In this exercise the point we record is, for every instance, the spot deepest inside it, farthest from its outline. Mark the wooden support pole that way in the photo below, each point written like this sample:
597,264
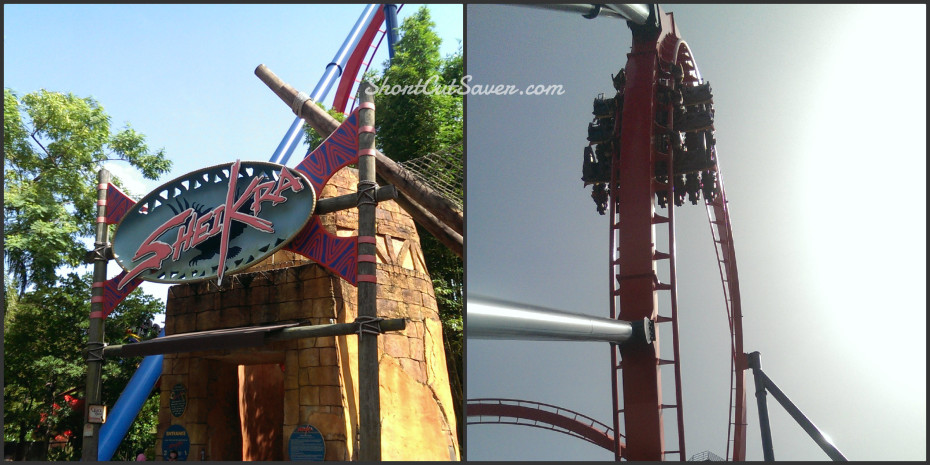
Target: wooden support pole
415,191
368,369
94,351
344,202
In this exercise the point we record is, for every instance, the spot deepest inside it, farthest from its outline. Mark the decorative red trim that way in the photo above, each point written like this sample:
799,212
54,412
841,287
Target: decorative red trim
98,284
101,219
101,202
366,240
101,187
367,152
96,314
367,258
362,129
367,278
96,299
368,105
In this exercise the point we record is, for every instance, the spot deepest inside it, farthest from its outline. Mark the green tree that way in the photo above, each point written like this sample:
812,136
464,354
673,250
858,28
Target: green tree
53,145
411,125
311,137
44,335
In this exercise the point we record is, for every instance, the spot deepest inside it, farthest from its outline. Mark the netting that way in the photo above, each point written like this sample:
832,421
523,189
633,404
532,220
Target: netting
442,171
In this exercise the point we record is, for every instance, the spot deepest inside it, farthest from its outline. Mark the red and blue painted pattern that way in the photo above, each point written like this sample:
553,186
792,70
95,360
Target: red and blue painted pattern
338,150
118,204
113,295
337,254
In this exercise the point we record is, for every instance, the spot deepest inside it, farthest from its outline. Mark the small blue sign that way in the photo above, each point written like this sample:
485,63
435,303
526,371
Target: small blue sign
177,401
175,444
306,443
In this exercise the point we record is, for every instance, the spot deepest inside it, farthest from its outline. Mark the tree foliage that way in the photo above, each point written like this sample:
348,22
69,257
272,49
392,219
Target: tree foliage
311,137
45,332
53,145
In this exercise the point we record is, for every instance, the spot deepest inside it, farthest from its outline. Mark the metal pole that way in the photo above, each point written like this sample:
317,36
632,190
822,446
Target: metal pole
390,23
755,362
369,391
333,71
799,417
636,13
498,319
587,10
94,350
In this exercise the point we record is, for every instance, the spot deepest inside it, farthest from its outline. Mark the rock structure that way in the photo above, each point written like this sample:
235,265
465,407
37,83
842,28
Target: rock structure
244,404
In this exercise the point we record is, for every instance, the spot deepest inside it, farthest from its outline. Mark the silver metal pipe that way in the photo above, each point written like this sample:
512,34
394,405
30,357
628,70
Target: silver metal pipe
635,12
497,319
581,8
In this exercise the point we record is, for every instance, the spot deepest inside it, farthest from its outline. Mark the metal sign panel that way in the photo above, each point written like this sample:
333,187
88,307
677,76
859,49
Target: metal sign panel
306,443
175,444
213,222
97,414
177,400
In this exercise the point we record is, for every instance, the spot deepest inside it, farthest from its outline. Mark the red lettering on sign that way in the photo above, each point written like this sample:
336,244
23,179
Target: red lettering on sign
185,235
194,229
150,245
264,193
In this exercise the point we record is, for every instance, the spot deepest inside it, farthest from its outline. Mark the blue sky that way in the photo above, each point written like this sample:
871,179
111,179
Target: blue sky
183,75
820,128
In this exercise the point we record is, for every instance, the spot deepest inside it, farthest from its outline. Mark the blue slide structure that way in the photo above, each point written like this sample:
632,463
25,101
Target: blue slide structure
130,402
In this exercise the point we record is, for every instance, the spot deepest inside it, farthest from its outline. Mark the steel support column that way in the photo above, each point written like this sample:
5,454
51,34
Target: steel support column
633,234
633,193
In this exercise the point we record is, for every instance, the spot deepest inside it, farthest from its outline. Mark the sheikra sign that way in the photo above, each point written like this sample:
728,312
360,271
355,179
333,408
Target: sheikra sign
211,222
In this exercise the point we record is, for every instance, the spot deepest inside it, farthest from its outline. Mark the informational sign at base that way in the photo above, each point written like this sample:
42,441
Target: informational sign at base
306,443
97,414
177,402
176,444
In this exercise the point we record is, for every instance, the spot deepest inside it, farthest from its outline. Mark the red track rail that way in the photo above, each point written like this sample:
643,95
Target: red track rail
540,415
718,215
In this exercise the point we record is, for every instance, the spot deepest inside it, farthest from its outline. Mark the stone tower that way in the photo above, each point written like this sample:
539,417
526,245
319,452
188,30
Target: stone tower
243,404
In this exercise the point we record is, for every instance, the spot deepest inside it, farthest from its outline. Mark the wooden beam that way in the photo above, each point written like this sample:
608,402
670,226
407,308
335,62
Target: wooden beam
324,124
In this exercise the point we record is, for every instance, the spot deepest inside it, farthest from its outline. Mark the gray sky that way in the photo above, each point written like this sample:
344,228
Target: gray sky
820,128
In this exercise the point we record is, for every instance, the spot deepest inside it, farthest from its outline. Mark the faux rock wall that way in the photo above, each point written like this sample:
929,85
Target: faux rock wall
320,375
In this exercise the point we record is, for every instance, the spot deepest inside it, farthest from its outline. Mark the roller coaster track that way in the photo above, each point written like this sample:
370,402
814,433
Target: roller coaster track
660,62
540,415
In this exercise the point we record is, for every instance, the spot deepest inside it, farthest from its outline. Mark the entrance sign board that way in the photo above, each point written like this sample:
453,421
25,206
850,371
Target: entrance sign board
175,440
212,222
306,443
